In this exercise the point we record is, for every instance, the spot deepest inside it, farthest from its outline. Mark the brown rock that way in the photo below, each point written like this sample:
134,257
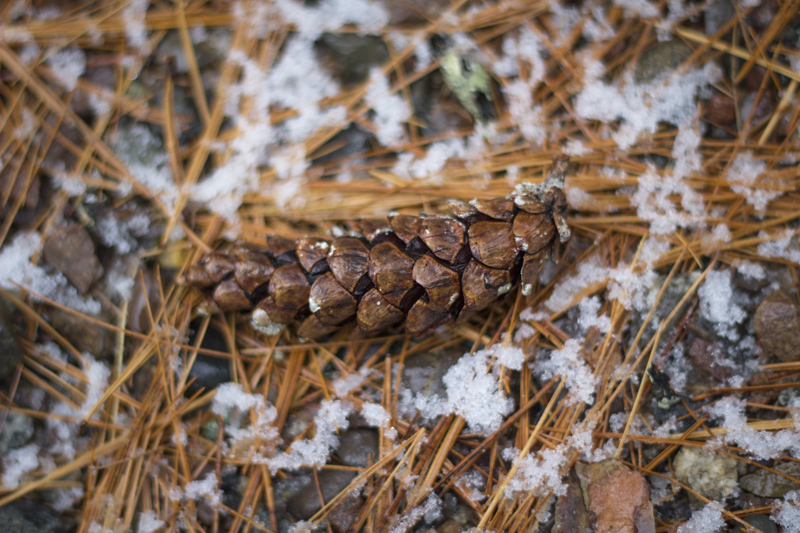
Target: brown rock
570,514
708,356
71,250
777,324
721,109
342,516
617,498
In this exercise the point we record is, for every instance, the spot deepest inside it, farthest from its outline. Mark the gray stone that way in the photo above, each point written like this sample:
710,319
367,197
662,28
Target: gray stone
760,521
717,14
84,335
358,447
27,516
664,57
708,473
71,250
342,516
769,485
305,503
10,351
353,55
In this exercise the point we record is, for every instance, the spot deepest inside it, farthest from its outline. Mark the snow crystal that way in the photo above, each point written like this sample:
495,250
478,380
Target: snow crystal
331,417
147,162
70,183
568,362
641,107
706,520
64,499
743,173
543,473
786,247
134,22
730,412
375,415
786,513
526,46
527,116
204,488
589,309
436,157
296,81
368,16
653,202
751,270
637,8
17,463
391,110
343,386
578,198
230,396
718,306
68,64
473,391
431,510
149,522
17,269
120,231
630,288
27,127
720,234
576,148
97,374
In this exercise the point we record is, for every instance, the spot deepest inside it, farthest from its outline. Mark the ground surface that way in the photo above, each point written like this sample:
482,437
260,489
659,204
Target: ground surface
649,382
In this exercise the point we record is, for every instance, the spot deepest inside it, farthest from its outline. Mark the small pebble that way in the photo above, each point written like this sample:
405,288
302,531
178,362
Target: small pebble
721,109
358,447
769,485
71,250
777,324
712,475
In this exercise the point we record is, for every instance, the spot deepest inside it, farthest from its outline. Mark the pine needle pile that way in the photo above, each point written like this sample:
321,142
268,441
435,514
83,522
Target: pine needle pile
170,169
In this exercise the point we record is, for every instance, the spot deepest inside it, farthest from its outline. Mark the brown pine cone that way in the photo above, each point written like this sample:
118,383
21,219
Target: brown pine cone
417,271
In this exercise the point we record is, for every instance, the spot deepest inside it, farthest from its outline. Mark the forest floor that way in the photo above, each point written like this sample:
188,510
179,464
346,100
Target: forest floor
649,382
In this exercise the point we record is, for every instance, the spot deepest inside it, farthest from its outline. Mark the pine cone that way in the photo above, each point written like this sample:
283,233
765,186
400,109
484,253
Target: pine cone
417,271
